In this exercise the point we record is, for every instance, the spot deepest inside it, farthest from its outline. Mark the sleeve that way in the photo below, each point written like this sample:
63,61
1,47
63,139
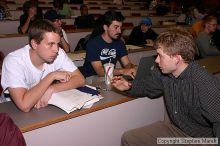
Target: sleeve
209,92
92,51
13,73
65,62
22,20
203,42
150,85
65,36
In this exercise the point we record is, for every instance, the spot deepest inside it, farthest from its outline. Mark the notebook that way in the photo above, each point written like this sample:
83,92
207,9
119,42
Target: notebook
74,99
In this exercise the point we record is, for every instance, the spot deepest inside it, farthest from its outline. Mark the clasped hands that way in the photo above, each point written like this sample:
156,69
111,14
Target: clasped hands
61,76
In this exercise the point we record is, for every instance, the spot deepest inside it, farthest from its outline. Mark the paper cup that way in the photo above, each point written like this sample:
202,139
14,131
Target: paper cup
108,68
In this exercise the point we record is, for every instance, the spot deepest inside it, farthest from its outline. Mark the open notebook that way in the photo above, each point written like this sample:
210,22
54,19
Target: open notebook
74,99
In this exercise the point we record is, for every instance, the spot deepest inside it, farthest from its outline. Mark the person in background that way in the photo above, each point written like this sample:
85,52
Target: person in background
33,73
197,26
57,5
191,93
10,134
142,34
39,9
29,16
204,40
216,34
107,47
85,20
55,18
4,11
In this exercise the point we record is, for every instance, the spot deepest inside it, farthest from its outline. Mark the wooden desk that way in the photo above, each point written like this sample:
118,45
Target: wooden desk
211,63
101,125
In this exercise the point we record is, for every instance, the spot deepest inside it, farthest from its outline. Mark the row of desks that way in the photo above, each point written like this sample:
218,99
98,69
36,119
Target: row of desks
104,5
15,14
11,26
11,42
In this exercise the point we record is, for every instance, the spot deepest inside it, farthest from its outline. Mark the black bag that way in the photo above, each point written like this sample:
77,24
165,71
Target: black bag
81,45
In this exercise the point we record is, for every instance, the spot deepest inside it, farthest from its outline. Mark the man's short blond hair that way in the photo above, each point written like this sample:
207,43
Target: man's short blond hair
177,41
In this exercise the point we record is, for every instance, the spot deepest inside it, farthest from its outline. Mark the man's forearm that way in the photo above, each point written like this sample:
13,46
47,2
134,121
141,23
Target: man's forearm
74,82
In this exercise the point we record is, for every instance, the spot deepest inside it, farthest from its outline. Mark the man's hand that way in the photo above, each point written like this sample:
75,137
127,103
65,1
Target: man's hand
149,41
43,102
130,71
62,76
120,83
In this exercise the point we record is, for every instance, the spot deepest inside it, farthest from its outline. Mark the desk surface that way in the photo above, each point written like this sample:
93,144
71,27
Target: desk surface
211,63
51,114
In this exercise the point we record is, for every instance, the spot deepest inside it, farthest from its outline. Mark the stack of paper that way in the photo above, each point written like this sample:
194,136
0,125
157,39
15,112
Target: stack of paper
76,56
132,47
74,99
149,45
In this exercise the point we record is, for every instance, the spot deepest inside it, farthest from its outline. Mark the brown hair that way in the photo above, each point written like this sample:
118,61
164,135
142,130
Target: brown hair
38,28
208,18
177,41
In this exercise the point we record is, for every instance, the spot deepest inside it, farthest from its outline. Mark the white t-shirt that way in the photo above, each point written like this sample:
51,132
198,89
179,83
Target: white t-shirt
64,35
18,70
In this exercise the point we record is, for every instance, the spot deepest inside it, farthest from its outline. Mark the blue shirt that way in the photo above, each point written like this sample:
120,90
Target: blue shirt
99,50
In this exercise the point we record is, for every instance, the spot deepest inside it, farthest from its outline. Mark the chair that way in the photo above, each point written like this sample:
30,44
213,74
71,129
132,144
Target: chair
106,3
126,8
112,8
10,2
92,3
46,8
94,8
74,7
127,25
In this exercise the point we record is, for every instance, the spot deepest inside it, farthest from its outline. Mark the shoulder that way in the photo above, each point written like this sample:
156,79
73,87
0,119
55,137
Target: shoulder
18,54
61,54
200,73
202,36
202,33
17,59
119,42
95,40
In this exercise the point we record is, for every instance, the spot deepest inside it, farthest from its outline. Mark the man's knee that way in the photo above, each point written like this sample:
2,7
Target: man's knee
126,138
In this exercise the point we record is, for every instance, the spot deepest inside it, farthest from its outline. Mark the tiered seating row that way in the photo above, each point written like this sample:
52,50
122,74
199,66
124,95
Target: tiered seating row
8,45
85,2
90,6
15,14
10,27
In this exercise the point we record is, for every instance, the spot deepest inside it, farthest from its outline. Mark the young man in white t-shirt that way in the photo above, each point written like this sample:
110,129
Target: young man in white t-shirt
29,73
